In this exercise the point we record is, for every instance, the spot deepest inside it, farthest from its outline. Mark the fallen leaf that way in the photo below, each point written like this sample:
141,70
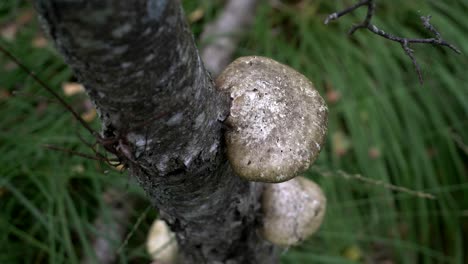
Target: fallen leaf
374,153
39,42
8,32
196,15
72,88
333,96
4,94
25,17
120,167
340,143
89,115
79,168
10,66
353,253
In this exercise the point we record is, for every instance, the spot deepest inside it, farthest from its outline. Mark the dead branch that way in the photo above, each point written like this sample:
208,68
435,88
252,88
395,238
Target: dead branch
437,40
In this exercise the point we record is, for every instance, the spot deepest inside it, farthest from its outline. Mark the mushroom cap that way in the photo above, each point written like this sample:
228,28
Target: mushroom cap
292,211
161,243
278,121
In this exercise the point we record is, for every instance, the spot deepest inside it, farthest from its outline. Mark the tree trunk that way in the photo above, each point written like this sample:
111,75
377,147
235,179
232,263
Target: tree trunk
157,103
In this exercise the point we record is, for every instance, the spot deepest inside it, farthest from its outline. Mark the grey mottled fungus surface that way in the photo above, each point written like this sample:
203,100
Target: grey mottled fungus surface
277,121
292,211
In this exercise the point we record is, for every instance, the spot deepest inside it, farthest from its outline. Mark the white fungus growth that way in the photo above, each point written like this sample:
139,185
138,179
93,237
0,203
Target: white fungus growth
292,211
161,243
278,121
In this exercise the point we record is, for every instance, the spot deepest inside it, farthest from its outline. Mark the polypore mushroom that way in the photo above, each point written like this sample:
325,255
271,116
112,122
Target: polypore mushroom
277,121
161,243
292,211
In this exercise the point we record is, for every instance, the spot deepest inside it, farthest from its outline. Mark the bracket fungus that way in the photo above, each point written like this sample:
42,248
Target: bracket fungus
292,211
277,121
161,243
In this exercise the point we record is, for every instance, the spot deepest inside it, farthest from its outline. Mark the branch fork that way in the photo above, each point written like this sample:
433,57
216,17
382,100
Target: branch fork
437,40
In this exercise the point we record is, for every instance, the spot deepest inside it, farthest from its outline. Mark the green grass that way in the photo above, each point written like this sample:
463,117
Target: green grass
47,206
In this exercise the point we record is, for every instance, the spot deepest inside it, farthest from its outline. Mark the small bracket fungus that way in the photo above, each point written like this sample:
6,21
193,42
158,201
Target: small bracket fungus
278,121
292,211
161,243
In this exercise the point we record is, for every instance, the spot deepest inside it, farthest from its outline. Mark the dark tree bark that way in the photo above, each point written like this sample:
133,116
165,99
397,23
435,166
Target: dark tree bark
138,61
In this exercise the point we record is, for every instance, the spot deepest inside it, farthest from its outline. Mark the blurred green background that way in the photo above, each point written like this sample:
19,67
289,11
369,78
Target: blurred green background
385,129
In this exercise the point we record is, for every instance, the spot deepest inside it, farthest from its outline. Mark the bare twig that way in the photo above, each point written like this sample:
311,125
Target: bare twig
98,157
381,183
134,228
50,90
366,24
350,9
